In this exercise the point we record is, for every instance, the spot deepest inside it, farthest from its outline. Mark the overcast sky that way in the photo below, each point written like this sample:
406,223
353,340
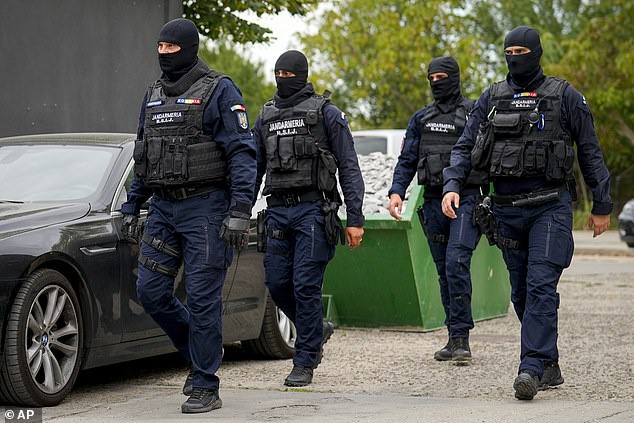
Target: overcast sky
284,27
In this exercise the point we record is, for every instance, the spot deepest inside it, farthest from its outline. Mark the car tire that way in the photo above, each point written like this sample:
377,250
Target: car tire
43,342
277,336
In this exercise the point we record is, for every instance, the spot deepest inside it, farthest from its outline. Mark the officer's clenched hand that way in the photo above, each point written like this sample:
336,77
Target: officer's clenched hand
396,203
354,236
235,229
450,200
129,228
599,223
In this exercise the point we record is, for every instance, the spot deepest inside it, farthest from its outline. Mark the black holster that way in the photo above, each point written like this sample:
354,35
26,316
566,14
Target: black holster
261,231
485,219
334,228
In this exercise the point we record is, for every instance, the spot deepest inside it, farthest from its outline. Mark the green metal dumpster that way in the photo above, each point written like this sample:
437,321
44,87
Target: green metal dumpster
391,280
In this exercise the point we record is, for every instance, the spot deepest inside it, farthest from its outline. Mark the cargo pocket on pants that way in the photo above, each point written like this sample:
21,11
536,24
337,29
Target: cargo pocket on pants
559,242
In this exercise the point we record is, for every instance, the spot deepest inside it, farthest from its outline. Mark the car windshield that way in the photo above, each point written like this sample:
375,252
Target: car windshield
34,173
367,144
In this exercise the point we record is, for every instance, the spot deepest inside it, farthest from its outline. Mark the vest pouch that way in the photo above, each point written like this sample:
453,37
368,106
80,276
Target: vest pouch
304,146
534,159
272,159
433,169
139,158
154,169
286,154
422,169
507,124
560,160
205,162
481,153
327,170
175,160
507,159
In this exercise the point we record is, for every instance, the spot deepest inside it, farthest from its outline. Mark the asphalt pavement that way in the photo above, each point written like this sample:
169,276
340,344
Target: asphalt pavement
387,376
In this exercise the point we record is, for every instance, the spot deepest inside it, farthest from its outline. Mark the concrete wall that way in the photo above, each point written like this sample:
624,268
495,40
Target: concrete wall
77,65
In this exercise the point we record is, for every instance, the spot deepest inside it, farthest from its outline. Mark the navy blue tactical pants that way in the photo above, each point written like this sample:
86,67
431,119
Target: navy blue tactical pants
452,257
545,249
191,226
295,268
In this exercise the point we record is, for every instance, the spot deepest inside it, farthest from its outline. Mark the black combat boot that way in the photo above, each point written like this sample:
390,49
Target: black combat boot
461,353
188,388
329,329
551,377
525,385
201,401
446,353
299,376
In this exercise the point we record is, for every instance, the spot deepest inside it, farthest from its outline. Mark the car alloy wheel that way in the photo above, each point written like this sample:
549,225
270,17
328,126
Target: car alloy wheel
51,340
43,341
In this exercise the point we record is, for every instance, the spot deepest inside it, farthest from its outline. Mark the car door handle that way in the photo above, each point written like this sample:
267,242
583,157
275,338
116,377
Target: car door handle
94,250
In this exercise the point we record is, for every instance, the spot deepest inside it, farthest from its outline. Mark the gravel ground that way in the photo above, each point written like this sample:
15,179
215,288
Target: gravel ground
596,338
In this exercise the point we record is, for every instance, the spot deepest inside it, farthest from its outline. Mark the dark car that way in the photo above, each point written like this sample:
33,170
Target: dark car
68,278
626,223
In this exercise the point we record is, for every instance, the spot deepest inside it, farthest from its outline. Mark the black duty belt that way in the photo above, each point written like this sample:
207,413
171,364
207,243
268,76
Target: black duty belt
531,199
291,200
177,194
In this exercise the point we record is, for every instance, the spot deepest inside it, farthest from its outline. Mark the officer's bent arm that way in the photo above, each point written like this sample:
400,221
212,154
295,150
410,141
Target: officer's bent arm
224,124
342,146
138,192
577,116
407,163
456,173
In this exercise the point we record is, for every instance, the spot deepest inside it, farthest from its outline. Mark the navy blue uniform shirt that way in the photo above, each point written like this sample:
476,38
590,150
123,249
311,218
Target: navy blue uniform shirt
342,146
575,117
220,122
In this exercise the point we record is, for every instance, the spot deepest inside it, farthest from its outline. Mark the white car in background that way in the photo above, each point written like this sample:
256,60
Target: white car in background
386,141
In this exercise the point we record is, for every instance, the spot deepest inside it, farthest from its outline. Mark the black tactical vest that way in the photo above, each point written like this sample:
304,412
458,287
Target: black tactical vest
439,132
528,138
297,155
174,152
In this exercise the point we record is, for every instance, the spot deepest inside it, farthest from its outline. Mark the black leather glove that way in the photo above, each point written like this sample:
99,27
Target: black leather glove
235,229
130,228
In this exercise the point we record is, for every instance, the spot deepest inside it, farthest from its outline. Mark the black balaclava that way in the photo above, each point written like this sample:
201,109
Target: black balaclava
183,32
293,61
524,67
445,90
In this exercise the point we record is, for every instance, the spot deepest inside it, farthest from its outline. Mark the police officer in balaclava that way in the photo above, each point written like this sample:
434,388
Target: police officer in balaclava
430,135
531,122
195,158
302,141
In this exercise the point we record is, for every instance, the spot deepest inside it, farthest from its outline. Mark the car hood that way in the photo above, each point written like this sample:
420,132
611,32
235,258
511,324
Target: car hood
16,218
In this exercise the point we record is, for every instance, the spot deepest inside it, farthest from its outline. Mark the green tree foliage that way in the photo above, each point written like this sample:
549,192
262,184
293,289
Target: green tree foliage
245,73
221,18
374,54
599,62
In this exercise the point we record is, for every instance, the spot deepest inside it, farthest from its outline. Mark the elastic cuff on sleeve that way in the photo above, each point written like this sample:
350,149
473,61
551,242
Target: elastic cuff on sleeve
450,186
601,209
355,221
244,208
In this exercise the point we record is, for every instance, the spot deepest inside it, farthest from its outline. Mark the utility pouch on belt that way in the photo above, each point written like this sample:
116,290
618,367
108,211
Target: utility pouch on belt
261,231
334,227
485,219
